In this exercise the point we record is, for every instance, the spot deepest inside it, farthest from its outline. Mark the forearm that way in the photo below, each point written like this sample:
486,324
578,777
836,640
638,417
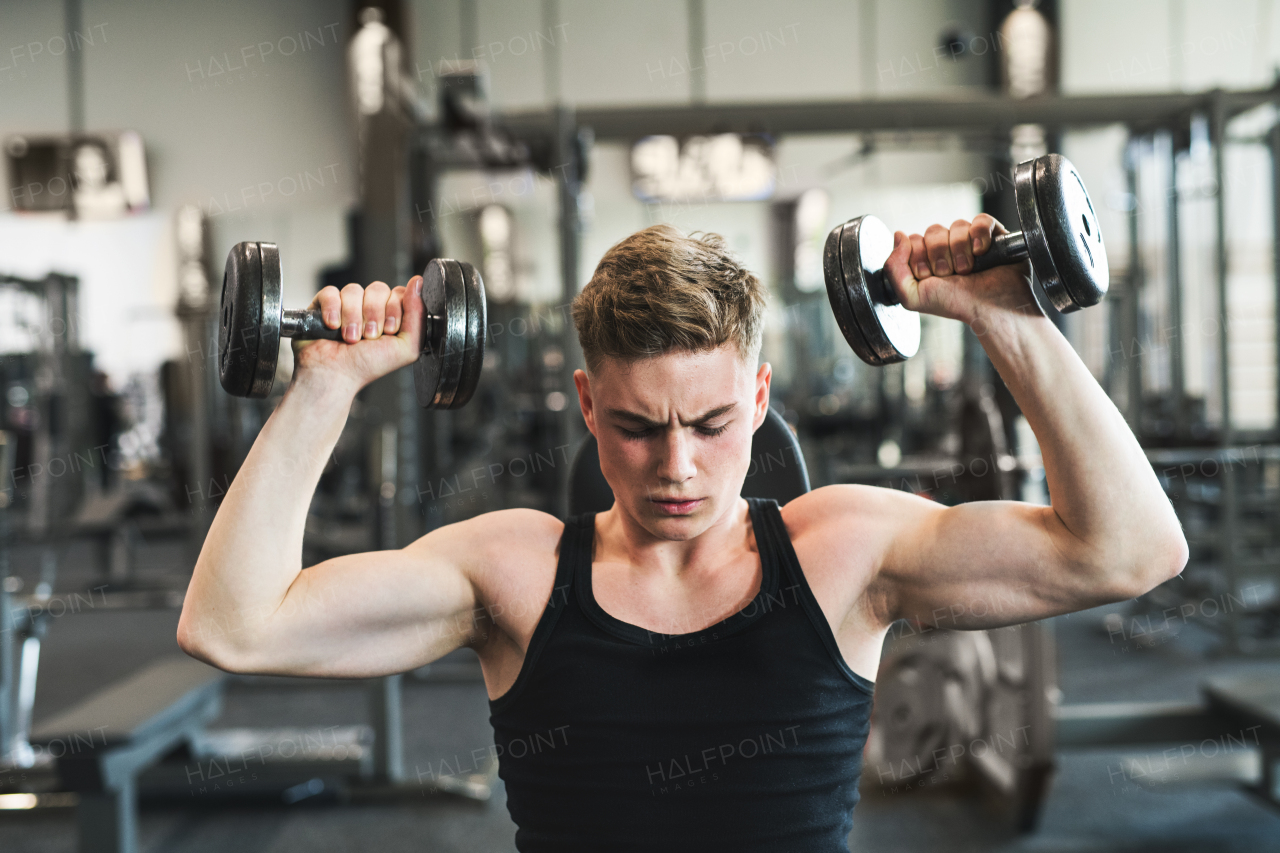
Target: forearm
1102,488
253,550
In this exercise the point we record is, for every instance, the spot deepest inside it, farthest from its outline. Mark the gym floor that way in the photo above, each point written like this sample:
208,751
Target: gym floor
1086,809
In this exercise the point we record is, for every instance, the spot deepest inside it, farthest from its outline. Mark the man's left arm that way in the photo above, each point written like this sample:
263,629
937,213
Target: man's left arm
1110,532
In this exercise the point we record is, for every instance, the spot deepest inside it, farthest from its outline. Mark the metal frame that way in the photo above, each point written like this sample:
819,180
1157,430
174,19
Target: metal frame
1218,107
980,113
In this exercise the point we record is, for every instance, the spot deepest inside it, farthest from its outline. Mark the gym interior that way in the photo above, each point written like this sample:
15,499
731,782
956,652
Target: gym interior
182,179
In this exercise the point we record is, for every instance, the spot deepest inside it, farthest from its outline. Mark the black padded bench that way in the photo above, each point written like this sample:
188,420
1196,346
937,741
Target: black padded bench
1252,703
1237,712
103,743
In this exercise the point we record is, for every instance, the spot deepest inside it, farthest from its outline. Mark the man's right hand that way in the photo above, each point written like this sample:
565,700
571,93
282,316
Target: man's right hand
381,329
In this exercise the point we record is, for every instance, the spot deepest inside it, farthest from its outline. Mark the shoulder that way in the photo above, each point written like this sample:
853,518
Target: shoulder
508,558
506,526
838,510
499,540
844,534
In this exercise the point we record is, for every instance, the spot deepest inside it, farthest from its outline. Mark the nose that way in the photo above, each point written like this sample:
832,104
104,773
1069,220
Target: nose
676,463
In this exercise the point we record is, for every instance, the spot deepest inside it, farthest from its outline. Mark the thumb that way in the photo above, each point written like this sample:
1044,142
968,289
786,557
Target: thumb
414,311
897,270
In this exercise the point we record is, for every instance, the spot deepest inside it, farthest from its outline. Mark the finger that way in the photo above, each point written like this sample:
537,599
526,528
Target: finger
375,308
329,302
395,307
938,246
983,230
352,312
961,246
919,257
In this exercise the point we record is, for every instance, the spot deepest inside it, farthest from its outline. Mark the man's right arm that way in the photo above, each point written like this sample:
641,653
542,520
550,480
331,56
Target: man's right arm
251,607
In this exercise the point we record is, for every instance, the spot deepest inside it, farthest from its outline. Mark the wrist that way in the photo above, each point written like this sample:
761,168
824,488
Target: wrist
326,388
994,317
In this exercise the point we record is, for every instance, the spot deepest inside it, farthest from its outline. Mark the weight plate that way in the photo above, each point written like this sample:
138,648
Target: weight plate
439,366
239,316
272,316
477,323
876,328
834,277
909,725
932,697
426,370
1077,275
455,342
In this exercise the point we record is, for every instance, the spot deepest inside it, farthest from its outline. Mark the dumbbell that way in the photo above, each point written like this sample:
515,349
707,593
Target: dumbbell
1059,234
252,321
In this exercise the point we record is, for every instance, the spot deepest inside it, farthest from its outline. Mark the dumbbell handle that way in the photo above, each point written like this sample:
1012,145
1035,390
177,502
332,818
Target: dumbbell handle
308,325
1005,249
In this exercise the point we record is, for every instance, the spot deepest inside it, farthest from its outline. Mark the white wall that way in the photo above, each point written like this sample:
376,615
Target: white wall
1168,45
233,142
623,51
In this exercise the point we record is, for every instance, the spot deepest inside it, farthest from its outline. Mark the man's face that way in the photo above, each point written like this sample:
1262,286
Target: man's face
674,434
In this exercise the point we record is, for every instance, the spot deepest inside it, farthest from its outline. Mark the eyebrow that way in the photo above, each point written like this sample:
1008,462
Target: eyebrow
641,420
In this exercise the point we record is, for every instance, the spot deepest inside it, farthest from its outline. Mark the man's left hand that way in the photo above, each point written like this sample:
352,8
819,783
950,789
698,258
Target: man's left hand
933,273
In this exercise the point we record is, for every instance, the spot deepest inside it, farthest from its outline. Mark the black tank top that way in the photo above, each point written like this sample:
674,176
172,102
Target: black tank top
744,736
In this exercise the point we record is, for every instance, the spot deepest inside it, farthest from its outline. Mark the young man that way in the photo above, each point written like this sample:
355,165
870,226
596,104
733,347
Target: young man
689,670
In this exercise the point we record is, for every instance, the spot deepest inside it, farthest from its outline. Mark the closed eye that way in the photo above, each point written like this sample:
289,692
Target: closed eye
639,434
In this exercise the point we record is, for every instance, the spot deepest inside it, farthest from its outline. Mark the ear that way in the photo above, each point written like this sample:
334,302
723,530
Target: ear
582,382
763,377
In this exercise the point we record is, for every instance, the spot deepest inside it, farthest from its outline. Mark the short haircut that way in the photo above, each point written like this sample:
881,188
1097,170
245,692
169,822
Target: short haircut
659,290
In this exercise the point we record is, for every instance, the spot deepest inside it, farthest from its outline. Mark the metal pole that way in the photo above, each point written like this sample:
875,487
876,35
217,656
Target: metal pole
568,174
7,620
197,313
75,71
1177,370
1273,138
1129,346
1230,511
697,15
384,254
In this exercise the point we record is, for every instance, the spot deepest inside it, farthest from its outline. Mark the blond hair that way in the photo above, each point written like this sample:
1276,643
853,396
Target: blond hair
658,291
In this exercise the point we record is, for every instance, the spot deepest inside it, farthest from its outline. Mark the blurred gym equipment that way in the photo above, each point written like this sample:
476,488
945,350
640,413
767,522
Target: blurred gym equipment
87,176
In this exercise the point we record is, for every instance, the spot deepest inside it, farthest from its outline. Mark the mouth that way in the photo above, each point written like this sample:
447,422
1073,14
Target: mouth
676,506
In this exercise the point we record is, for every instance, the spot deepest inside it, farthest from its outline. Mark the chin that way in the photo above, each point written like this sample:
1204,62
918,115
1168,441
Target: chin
674,527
